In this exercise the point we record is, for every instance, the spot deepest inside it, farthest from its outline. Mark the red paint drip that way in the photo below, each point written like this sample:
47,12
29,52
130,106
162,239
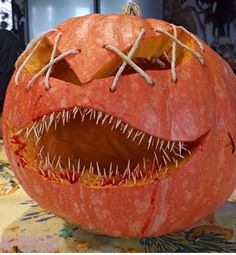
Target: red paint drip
21,146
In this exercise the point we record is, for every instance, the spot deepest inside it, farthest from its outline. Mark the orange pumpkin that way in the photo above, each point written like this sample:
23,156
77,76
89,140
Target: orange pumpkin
123,125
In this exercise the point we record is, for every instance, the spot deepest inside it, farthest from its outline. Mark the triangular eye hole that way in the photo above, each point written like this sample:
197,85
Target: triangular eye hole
41,57
62,71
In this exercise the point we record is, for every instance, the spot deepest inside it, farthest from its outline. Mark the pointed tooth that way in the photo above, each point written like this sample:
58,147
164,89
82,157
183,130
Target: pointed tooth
41,170
164,160
83,170
78,166
168,145
125,172
94,114
149,142
73,175
176,163
117,170
161,145
53,159
144,164
117,123
83,114
172,146
91,114
105,118
89,111
180,148
63,118
44,117
125,127
90,168
19,132
141,139
110,170
141,174
75,111
41,150
99,117
110,119
138,133
104,173
51,119
68,175
76,108
167,157
178,154
67,116
121,182
69,163
134,178
61,169
36,134
58,161
98,170
156,158
130,132
144,179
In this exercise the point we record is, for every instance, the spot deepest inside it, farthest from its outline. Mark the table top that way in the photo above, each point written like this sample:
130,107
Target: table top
25,227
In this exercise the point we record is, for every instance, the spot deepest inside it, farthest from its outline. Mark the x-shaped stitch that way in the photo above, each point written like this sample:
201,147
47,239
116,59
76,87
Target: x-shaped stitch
49,66
127,60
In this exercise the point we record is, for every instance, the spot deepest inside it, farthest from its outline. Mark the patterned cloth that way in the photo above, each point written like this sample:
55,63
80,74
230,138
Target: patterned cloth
25,227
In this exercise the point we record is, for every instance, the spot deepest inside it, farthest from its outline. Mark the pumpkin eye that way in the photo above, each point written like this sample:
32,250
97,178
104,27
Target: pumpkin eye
67,147
41,57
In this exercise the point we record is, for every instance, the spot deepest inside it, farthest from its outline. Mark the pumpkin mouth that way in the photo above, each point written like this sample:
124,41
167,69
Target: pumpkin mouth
95,148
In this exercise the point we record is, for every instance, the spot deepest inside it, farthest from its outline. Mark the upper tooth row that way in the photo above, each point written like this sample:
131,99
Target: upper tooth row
101,118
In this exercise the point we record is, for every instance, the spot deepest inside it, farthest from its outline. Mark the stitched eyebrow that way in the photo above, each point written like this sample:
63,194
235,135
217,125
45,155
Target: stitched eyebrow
127,59
52,61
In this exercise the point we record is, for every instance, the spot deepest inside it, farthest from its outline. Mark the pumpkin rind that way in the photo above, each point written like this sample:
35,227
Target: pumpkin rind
202,102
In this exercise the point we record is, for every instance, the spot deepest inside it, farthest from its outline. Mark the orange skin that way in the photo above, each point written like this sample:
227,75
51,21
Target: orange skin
203,100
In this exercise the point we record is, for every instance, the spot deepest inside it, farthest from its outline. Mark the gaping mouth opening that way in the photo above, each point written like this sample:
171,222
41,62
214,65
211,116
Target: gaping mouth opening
94,148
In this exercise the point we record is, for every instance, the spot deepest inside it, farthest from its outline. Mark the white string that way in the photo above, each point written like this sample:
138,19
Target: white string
131,53
60,57
167,57
38,37
200,45
194,52
19,71
36,40
51,59
173,60
158,61
131,63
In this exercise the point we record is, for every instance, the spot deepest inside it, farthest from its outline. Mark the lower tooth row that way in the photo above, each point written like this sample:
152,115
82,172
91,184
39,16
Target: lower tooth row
73,173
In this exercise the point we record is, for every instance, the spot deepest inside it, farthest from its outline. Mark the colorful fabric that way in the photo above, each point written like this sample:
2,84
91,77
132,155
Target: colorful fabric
25,227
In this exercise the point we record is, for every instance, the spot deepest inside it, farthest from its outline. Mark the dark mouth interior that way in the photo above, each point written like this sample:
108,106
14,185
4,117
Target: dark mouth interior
85,145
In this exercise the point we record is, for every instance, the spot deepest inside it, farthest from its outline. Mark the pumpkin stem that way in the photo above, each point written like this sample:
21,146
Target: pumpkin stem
132,9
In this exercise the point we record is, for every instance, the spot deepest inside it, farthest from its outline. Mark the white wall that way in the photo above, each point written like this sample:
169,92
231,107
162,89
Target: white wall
45,14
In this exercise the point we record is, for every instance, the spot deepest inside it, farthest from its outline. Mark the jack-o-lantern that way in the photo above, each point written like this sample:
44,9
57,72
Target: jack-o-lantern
123,125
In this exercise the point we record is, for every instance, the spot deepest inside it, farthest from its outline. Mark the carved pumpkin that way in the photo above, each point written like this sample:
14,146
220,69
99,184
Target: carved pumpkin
123,125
